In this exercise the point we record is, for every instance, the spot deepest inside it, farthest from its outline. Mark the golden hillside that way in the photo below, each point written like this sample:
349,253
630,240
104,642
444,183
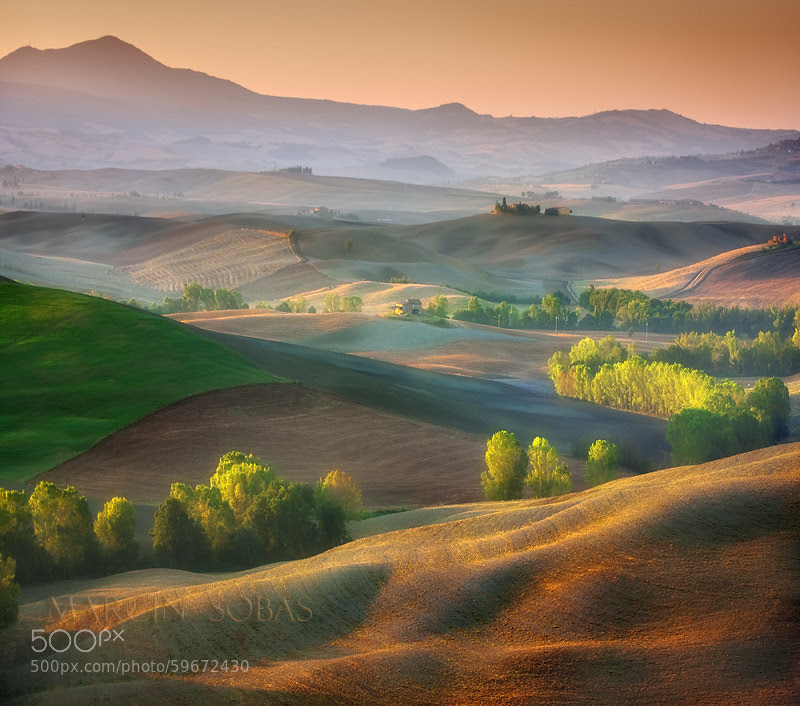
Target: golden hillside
675,586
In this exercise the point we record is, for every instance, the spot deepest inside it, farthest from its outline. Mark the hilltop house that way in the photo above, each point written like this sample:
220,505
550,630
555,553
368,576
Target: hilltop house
408,306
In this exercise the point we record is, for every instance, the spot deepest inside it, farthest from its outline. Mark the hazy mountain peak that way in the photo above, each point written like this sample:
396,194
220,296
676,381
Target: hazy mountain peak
453,110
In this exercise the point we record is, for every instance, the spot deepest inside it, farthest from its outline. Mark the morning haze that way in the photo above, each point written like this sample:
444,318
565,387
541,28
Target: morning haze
398,398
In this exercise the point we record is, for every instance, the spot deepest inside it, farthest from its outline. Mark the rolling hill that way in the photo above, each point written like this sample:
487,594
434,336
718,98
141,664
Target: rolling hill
147,258
677,586
75,368
753,276
105,103
213,191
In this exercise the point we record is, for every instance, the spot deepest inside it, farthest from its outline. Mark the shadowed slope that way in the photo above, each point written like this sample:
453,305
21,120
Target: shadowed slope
677,586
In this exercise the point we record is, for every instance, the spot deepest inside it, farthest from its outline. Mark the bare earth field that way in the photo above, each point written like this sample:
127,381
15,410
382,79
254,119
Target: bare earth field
678,586
301,433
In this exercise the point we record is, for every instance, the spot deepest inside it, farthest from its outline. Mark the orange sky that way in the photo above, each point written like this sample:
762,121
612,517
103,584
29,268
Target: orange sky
719,61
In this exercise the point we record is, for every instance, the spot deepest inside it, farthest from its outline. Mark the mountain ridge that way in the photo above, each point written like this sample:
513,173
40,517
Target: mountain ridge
111,87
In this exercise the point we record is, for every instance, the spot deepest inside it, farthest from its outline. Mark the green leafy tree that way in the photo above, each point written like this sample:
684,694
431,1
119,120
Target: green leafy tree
352,302
207,507
331,518
332,303
282,517
601,465
438,306
546,476
178,540
505,467
697,435
771,396
9,590
18,539
343,489
115,529
240,479
63,526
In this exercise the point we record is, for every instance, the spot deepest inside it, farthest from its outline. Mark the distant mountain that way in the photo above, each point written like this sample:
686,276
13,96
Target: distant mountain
106,103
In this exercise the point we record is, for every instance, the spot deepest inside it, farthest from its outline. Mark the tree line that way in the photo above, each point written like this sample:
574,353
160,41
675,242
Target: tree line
695,403
197,298
509,468
625,309
51,534
245,517
766,354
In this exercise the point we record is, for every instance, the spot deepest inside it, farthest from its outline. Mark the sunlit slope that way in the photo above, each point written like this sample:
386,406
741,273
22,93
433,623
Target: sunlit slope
75,368
676,586
755,276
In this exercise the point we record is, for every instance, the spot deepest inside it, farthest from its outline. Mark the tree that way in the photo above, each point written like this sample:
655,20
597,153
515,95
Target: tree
115,529
351,302
331,519
9,590
546,476
343,489
697,435
601,465
771,396
240,479
282,517
18,539
438,306
62,524
206,506
332,303
506,464
178,540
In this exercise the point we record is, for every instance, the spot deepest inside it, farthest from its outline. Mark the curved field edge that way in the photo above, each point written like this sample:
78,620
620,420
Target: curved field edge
673,587
75,368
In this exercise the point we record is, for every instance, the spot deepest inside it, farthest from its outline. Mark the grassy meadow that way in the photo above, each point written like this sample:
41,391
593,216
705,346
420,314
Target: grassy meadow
75,368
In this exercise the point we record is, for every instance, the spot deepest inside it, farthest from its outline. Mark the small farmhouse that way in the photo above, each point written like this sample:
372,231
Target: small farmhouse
408,306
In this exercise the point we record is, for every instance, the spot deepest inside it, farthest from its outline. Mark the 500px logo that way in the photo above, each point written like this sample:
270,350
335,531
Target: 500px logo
83,640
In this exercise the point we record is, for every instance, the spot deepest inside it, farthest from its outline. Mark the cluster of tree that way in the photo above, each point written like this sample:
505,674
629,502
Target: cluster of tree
509,469
438,306
248,515
197,298
698,435
51,534
766,354
627,308
298,305
603,372
548,312
350,302
518,209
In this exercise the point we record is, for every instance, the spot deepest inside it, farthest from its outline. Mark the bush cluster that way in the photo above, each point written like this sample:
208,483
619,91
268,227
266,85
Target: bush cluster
248,516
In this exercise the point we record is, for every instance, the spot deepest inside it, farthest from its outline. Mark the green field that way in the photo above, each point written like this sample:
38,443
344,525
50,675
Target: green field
75,368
